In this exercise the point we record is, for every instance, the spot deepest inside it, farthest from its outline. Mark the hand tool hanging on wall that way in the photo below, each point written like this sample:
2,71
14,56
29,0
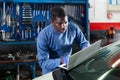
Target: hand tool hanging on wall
37,10
47,14
26,14
17,35
34,10
8,17
0,15
17,9
13,27
44,8
48,10
2,35
13,24
17,14
26,33
22,34
29,33
38,27
4,14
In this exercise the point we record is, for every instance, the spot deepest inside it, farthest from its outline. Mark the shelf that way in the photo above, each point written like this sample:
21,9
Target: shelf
48,1
22,42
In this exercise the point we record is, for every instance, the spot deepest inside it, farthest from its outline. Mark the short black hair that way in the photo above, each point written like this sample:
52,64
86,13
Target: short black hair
58,11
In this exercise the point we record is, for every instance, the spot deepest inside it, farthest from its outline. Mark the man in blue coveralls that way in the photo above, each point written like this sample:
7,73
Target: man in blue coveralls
54,42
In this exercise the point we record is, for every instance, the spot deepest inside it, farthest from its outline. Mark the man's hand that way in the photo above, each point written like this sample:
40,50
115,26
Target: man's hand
64,60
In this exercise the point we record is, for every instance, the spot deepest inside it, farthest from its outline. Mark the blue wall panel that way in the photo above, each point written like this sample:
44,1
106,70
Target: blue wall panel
38,8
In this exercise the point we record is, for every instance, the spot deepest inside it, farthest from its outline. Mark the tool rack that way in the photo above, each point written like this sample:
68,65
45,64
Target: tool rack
22,20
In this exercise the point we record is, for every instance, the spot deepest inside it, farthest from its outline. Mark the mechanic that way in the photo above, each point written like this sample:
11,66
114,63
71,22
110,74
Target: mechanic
54,42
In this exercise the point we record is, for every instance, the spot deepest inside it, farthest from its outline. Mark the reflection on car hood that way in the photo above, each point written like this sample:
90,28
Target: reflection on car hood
105,65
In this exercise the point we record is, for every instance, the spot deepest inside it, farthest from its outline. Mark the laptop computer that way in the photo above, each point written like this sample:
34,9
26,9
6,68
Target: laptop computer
82,55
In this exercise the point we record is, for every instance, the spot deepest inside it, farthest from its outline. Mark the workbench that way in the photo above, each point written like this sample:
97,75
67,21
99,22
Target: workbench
32,63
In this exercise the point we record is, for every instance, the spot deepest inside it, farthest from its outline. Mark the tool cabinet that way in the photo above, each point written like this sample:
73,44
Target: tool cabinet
22,20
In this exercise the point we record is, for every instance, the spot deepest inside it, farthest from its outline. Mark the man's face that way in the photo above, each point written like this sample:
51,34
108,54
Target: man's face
60,24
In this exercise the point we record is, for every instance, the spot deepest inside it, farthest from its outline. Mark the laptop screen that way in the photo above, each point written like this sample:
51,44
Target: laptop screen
82,55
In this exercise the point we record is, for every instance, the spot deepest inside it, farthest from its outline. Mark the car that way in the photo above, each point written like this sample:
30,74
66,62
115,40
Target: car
104,65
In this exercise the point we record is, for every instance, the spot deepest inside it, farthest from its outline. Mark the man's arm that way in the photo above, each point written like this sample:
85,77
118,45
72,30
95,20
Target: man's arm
80,39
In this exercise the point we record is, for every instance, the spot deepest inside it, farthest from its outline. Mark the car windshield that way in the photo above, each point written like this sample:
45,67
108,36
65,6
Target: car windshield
103,66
